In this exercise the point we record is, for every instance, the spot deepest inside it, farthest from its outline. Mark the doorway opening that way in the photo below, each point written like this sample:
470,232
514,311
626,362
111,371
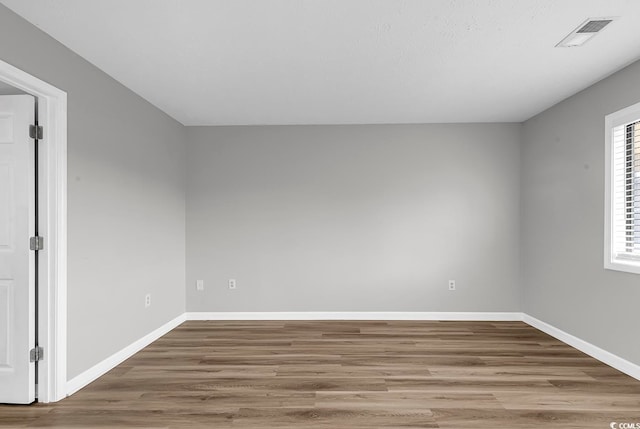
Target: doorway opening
51,202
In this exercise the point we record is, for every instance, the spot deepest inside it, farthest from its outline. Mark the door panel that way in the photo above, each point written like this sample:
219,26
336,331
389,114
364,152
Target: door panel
17,288
6,297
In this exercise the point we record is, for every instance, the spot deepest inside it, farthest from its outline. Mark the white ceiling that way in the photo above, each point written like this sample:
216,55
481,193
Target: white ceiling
224,62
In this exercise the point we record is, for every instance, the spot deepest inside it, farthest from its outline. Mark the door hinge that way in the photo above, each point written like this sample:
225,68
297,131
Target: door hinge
36,354
36,243
36,132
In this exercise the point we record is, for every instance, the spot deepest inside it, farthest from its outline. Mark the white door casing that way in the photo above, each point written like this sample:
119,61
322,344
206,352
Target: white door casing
17,220
52,270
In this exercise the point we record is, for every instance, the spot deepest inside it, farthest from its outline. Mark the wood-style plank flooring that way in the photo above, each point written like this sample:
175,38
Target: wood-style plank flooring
348,374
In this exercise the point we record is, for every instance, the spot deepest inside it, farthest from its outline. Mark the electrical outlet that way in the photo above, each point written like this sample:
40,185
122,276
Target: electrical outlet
199,284
147,300
452,285
232,283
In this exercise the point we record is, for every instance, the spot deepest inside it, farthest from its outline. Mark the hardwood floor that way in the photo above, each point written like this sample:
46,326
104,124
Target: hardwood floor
348,374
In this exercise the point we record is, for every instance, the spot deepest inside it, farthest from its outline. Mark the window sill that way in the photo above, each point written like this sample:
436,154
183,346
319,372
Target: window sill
626,266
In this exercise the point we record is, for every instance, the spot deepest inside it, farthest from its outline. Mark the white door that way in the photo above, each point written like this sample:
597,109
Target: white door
17,288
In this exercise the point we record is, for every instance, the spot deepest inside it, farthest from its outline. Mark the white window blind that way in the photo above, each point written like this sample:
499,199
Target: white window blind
626,192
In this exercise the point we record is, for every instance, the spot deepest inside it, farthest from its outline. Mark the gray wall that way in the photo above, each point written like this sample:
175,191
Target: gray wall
353,218
126,199
6,89
564,281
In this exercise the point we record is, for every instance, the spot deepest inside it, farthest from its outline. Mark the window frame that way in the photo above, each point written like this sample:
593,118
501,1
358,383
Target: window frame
622,117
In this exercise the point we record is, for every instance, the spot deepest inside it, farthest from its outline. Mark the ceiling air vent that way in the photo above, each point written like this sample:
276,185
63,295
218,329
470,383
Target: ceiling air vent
584,32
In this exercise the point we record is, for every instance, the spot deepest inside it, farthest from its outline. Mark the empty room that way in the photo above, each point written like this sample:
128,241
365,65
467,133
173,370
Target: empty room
320,213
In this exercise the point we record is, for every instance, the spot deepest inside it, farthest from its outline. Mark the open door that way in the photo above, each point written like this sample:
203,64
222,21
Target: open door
17,261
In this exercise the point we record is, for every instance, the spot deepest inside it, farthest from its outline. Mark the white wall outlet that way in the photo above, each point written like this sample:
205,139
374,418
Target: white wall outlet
199,284
147,300
232,283
452,285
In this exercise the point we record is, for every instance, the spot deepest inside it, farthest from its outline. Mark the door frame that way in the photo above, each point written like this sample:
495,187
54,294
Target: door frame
52,278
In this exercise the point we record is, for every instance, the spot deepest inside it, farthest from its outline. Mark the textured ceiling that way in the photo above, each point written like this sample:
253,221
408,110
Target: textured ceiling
223,62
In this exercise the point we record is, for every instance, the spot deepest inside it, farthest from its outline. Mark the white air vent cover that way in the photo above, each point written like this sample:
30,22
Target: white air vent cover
584,32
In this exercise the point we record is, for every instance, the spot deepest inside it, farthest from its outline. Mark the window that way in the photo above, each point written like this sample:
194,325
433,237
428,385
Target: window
622,216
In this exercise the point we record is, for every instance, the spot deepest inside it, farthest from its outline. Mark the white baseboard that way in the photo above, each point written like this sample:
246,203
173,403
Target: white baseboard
117,358
355,315
114,360
596,352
